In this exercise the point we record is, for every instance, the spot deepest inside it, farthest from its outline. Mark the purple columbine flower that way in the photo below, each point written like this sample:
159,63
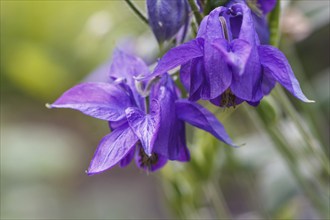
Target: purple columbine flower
226,63
167,17
152,135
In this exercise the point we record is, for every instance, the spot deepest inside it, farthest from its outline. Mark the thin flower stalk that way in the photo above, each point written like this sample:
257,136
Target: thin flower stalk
137,11
195,9
274,23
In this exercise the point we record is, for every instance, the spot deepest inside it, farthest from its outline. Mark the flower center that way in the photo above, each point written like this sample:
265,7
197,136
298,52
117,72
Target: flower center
228,99
147,161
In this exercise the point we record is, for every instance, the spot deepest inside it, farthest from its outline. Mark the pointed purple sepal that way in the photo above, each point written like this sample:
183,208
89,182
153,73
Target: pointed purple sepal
99,100
112,148
276,64
176,57
199,117
171,140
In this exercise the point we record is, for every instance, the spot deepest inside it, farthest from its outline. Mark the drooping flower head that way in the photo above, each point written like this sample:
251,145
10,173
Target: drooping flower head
226,63
167,17
151,130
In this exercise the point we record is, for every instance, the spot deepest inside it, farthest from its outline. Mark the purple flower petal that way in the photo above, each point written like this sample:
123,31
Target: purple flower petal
217,74
275,63
145,126
248,85
259,18
128,158
212,28
176,57
112,148
115,124
199,117
182,33
167,17
185,75
236,53
99,100
192,76
183,155
266,5
268,82
247,29
262,28
202,28
254,104
125,66
171,140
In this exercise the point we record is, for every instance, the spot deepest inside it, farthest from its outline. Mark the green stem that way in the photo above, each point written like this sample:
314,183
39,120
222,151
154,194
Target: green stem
194,28
207,7
137,11
195,9
274,24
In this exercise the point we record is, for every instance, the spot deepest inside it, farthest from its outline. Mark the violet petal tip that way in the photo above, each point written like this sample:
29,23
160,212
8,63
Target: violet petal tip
49,106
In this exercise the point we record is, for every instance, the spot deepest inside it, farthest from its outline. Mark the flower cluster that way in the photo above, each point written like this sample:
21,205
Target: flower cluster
150,129
226,64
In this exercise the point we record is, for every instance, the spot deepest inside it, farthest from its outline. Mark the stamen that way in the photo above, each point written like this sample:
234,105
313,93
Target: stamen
146,91
147,161
228,99
224,27
139,88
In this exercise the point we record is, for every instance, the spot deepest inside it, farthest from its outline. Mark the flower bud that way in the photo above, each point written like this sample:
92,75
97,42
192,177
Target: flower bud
167,17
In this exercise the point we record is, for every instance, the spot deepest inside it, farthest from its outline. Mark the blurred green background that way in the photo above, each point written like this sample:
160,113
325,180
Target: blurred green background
49,46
